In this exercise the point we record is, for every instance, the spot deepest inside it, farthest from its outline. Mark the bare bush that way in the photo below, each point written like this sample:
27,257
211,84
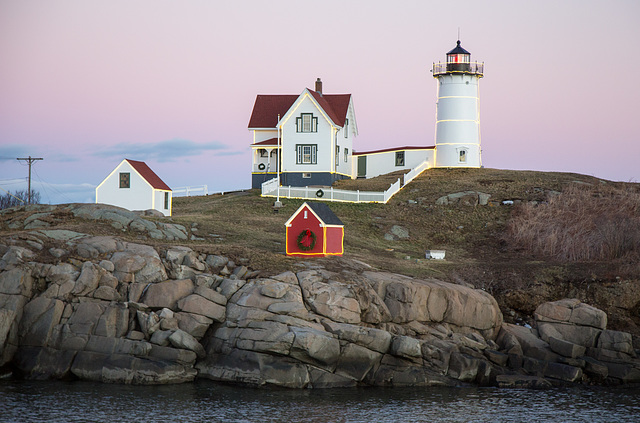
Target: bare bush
581,224
18,198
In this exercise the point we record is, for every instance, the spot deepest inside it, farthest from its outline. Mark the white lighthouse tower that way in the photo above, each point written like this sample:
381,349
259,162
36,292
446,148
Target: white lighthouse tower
457,110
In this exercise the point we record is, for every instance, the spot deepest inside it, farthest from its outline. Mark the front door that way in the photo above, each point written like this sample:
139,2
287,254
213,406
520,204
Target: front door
362,166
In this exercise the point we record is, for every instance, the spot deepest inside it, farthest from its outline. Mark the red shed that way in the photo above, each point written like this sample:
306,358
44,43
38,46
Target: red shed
313,230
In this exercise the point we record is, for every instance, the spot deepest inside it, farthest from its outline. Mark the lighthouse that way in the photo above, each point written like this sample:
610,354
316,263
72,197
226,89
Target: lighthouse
457,110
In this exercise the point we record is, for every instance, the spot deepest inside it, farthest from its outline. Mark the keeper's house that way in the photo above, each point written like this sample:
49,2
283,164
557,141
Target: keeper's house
314,230
314,133
134,186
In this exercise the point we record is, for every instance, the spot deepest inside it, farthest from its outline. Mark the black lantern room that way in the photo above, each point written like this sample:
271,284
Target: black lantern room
458,60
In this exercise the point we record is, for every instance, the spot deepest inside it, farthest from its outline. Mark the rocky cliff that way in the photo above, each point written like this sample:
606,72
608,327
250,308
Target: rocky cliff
76,305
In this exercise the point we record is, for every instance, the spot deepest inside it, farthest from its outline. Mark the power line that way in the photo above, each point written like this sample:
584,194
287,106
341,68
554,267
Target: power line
30,160
51,186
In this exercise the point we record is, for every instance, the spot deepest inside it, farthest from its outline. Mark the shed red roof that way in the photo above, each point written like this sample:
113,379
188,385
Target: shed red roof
148,174
268,106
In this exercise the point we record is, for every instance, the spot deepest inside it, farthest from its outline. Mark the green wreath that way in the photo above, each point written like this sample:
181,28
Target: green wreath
306,240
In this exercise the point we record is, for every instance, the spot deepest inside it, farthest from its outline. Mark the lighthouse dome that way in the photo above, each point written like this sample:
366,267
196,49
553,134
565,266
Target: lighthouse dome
458,50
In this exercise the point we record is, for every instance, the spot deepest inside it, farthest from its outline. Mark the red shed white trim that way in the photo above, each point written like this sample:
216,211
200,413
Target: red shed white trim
314,230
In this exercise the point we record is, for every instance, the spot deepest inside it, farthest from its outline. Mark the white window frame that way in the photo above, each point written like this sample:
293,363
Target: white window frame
346,154
400,155
346,128
463,154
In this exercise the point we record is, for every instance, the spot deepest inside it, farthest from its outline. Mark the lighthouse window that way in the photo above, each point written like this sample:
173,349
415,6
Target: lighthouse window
463,156
399,158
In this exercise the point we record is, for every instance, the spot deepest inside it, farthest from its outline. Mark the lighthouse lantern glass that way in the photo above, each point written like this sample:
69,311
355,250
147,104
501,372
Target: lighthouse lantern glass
458,58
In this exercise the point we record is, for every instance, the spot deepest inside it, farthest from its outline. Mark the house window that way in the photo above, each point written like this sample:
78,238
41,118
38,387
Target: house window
346,128
346,153
306,123
125,180
399,158
306,154
463,156
166,201
337,154
306,175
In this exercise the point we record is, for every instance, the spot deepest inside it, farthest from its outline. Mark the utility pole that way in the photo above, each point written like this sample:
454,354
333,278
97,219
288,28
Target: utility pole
30,160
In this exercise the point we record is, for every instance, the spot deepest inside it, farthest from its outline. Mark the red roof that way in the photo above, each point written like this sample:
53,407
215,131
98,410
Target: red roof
268,106
270,141
148,174
359,153
336,105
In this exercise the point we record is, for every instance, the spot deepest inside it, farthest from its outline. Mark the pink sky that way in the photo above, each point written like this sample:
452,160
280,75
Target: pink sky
87,83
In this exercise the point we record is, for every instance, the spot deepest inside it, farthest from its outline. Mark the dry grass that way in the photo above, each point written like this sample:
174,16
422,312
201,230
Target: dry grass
584,223
245,223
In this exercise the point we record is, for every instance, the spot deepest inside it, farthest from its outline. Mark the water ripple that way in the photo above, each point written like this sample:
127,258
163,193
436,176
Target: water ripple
29,401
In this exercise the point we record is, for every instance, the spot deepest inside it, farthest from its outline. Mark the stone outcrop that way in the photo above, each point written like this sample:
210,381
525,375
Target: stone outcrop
466,198
570,343
100,308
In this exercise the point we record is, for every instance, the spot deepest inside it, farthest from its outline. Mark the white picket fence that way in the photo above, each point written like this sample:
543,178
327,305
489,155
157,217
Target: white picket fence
189,191
270,189
413,173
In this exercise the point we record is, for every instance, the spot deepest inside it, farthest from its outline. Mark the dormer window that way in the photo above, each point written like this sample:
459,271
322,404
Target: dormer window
306,123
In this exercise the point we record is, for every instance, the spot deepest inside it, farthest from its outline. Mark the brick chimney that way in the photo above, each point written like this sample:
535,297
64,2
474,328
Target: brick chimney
319,86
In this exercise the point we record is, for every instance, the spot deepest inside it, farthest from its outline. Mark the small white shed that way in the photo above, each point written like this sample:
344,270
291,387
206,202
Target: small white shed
134,186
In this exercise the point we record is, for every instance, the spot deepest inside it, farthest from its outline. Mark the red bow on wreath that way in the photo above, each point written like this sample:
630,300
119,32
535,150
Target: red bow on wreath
306,240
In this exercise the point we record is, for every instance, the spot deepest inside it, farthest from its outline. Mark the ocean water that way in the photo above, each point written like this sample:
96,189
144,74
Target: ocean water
31,401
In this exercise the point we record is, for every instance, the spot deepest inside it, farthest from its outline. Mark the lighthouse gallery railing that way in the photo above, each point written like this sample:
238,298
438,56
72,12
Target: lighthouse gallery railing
473,68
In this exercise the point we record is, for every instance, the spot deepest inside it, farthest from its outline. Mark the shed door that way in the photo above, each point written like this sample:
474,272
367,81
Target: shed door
362,166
